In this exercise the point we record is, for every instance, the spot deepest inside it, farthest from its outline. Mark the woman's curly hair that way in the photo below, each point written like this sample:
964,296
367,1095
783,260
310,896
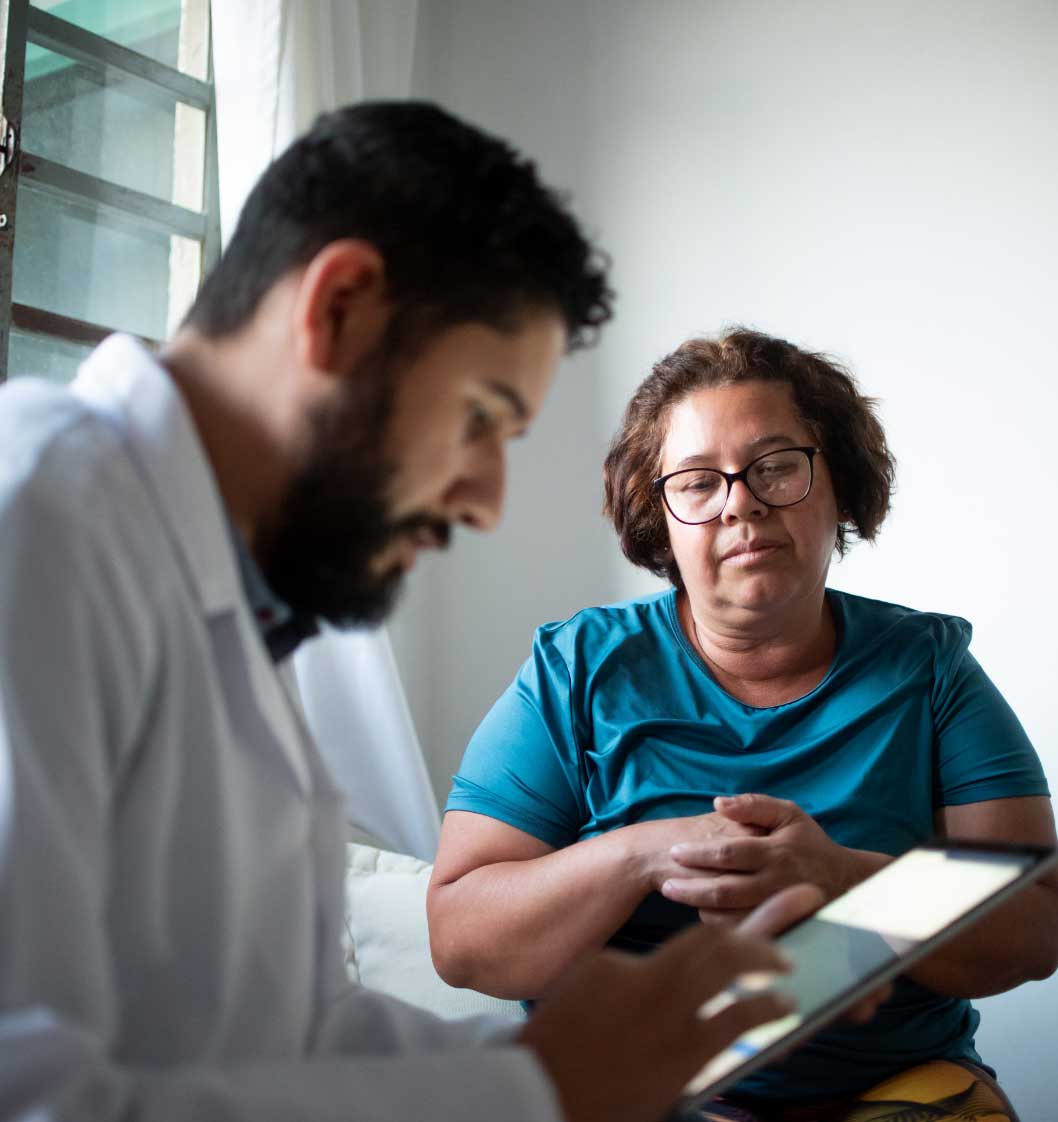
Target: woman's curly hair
842,420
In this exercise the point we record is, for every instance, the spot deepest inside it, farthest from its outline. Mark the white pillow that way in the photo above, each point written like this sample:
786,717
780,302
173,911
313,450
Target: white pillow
388,945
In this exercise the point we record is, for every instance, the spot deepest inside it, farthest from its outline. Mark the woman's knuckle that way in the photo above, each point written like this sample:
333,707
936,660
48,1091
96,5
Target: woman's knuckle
722,895
705,897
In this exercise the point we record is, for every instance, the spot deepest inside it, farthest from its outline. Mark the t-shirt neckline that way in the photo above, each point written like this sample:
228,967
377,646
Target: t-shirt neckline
672,617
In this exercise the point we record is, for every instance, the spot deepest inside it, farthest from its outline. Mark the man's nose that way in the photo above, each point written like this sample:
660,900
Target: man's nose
476,498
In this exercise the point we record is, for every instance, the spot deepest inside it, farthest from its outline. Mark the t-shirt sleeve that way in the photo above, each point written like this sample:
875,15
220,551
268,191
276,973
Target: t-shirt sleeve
523,765
982,751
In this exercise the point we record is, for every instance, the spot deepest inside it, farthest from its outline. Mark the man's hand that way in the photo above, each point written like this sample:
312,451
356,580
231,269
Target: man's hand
780,911
622,1034
783,910
729,876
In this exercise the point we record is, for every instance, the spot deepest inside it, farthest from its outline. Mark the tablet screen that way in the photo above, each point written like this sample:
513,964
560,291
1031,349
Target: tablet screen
858,935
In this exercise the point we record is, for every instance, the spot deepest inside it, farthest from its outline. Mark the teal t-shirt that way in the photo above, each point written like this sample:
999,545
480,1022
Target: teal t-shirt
614,719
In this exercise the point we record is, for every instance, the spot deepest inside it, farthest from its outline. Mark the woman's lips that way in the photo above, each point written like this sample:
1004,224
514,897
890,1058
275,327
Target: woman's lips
751,552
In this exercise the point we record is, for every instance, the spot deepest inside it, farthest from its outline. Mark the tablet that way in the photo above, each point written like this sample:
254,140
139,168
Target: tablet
864,938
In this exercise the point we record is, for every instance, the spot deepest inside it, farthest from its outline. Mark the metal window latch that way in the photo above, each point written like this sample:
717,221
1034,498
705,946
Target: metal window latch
8,143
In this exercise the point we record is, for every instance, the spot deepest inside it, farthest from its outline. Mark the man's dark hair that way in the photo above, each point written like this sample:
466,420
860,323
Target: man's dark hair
843,422
467,231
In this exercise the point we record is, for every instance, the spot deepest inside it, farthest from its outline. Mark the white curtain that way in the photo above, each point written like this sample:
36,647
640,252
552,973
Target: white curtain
277,63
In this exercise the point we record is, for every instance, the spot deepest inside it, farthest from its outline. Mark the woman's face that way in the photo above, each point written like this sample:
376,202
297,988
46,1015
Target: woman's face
753,559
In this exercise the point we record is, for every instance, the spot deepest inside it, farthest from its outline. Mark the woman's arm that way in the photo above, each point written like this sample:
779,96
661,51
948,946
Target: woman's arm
1016,942
992,788
509,913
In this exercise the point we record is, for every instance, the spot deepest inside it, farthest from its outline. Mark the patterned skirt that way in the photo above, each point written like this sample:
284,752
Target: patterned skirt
939,1091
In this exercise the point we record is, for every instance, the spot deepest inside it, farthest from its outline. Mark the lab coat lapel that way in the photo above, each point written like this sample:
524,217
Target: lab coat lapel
123,380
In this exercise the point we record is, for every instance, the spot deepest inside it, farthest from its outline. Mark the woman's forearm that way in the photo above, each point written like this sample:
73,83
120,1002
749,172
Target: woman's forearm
1017,942
511,928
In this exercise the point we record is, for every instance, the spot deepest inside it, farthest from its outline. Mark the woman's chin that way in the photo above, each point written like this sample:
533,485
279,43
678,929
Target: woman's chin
758,594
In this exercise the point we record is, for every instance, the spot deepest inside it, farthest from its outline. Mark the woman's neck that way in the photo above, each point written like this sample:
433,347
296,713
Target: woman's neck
764,662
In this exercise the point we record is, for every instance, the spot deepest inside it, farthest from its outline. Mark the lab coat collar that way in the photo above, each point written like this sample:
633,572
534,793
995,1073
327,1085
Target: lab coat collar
124,380
282,629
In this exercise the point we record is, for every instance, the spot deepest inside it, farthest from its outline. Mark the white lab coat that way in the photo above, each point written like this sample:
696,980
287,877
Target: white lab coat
170,841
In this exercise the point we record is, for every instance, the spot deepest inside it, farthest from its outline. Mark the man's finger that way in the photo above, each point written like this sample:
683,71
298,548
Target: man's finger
701,961
719,920
784,909
725,1026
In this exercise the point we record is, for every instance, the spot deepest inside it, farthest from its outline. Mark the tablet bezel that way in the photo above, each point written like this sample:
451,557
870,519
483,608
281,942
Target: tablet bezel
1044,858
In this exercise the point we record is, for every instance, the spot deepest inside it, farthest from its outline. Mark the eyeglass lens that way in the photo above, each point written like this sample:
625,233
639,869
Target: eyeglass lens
778,479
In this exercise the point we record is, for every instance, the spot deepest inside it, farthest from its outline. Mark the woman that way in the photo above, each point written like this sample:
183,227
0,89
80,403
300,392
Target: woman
687,754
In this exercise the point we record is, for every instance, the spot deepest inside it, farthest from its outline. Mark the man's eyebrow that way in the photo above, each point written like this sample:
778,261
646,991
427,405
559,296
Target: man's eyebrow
512,397
781,438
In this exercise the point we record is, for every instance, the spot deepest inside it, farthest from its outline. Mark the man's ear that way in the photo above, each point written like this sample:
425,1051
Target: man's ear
340,309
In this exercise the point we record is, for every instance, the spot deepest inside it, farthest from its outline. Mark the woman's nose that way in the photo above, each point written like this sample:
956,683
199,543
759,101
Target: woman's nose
742,503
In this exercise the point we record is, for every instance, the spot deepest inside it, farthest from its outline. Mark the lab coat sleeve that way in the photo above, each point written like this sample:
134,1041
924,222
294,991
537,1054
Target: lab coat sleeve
54,1071
77,671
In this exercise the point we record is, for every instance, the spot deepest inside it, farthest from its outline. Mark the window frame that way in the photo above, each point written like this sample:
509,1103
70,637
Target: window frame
22,24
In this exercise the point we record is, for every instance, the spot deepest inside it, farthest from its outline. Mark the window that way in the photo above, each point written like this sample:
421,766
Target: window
108,212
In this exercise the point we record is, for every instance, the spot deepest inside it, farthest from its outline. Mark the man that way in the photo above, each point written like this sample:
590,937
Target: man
389,313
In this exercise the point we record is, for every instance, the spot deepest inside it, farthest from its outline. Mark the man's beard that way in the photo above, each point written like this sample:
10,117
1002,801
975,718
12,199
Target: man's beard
318,554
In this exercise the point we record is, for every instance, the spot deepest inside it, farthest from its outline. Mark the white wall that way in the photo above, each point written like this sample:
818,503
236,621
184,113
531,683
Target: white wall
872,179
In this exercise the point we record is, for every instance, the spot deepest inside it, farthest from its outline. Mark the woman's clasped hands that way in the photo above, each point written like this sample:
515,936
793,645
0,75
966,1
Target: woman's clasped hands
768,844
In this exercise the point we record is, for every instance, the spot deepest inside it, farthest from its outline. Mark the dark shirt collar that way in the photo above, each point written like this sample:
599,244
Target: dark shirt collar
282,629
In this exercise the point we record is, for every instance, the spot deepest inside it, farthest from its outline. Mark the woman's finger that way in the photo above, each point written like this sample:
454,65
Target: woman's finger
728,892
731,854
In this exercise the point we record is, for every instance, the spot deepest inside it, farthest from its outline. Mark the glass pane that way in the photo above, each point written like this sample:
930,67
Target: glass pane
185,274
38,356
111,126
82,263
151,27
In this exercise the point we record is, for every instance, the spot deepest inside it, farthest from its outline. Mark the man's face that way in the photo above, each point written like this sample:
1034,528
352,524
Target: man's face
408,449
